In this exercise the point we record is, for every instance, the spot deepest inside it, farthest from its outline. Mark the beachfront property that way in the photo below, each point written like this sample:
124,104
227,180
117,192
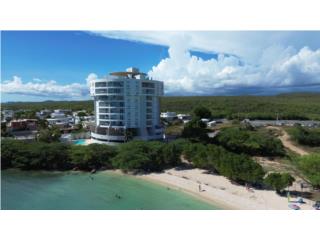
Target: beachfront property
126,105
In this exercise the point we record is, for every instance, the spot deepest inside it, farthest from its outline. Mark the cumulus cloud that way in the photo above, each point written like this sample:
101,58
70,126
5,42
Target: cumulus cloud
40,88
245,44
91,77
278,67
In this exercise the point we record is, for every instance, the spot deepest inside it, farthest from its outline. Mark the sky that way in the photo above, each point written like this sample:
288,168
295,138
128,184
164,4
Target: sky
57,65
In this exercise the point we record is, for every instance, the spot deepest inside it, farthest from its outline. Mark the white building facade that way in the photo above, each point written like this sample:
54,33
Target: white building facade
127,106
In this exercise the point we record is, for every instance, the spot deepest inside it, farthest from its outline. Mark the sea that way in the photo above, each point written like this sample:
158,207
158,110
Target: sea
105,190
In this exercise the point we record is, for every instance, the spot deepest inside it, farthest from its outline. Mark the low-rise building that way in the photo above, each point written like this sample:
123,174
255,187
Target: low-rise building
169,116
23,124
8,115
184,117
264,123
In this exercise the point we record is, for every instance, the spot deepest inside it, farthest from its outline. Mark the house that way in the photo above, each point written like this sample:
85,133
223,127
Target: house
23,124
169,116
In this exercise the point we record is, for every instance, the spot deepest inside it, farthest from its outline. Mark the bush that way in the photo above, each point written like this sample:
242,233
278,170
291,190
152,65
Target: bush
49,135
279,181
241,140
196,131
310,167
92,156
59,156
304,136
202,112
147,156
239,168
34,155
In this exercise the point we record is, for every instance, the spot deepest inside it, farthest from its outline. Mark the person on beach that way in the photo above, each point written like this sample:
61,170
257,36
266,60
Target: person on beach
199,187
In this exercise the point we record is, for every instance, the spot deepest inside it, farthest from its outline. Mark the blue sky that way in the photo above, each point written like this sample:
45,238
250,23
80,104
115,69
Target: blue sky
54,65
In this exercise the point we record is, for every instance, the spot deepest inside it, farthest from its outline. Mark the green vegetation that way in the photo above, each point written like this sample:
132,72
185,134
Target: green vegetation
35,155
310,167
82,114
202,112
4,132
49,135
239,168
134,155
305,136
242,140
147,156
30,114
196,131
93,156
279,181
287,106
51,105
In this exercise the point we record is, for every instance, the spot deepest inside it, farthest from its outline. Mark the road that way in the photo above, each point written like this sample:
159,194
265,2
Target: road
285,139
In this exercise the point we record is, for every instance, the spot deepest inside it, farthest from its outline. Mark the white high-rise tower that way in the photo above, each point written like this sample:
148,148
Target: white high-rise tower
127,106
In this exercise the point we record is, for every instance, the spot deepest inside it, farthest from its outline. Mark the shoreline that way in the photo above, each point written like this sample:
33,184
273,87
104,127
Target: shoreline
215,189
220,192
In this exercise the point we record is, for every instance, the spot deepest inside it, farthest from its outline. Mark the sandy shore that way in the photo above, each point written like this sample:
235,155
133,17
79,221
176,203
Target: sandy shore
220,191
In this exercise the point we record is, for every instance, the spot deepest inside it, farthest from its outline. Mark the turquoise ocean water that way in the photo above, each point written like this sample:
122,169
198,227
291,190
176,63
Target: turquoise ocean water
78,190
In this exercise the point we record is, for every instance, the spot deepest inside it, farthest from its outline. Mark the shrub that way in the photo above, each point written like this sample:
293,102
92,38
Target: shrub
304,136
202,112
195,131
279,181
92,156
310,167
241,140
239,168
147,156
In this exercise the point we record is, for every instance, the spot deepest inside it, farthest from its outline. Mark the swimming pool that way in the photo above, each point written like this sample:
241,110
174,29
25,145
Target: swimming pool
79,142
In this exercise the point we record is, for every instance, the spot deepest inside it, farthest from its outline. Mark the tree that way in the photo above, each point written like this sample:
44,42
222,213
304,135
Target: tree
82,114
279,181
48,135
196,131
310,167
239,168
305,136
92,156
241,140
202,112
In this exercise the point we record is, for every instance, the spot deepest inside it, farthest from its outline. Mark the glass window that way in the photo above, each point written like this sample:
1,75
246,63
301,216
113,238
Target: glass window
101,84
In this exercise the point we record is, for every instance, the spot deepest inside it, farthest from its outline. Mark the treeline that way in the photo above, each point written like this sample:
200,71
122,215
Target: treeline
285,106
51,105
135,156
131,156
305,136
242,140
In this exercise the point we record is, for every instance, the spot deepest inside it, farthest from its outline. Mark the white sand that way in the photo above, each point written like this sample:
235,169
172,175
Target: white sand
220,191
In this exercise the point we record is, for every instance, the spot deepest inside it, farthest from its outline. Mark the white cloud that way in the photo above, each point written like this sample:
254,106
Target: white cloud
91,77
41,88
183,73
247,61
245,44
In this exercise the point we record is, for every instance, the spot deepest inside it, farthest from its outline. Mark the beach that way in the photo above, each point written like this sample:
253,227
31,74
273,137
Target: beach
221,192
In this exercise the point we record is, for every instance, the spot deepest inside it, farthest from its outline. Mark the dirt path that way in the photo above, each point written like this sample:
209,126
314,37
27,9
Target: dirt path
285,139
